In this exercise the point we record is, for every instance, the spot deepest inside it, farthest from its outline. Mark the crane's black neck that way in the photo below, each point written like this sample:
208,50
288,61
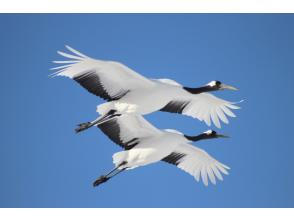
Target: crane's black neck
199,137
200,89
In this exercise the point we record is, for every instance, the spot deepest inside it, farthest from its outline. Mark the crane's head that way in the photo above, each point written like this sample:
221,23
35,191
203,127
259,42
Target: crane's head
210,87
217,85
205,135
213,134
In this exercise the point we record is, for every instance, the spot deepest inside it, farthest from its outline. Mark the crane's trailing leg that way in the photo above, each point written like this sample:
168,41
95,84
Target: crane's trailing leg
86,125
104,178
99,120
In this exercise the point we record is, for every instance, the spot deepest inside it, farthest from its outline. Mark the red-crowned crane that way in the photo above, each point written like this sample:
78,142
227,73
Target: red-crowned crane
145,144
129,92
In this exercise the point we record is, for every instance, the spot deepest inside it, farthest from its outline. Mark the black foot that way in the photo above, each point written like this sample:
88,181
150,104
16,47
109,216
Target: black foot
102,179
83,126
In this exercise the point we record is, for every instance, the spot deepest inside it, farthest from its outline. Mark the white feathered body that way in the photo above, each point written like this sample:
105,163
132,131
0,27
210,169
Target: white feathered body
145,100
149,150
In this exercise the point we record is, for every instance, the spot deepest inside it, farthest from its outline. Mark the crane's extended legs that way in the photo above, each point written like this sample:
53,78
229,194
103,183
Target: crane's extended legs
99,120
112,173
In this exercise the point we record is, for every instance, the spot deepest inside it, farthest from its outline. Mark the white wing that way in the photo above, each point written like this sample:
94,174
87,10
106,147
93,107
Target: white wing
127,130
197,163
204,106
168,81
108,79
208,107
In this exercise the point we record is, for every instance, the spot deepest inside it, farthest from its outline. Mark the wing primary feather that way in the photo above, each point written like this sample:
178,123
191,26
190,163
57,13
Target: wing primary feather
217,173
61,67
207,119
232,106
210,175
204,176
69,55
228,111
55,73
222,169
197,174
215,118
225,166
76,52
221,115
65,61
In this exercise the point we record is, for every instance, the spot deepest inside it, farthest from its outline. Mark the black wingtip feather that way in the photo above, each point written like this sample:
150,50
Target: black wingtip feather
175,107
174,158
112,130
91,81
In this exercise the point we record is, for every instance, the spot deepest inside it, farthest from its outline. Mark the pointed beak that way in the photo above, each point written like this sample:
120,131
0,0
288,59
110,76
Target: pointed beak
224,86
222,136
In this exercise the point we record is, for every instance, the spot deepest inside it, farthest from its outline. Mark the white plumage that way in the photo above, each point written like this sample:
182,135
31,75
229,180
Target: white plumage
129,92
145,144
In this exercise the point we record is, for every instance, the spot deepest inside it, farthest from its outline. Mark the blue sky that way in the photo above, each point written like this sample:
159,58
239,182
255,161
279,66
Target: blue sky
43,163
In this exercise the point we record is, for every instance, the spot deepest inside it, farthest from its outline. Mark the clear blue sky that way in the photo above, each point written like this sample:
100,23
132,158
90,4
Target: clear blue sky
43,163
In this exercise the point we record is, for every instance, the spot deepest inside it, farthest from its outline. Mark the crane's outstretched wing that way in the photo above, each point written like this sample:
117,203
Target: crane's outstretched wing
108,79
197,162
127,130
204,106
